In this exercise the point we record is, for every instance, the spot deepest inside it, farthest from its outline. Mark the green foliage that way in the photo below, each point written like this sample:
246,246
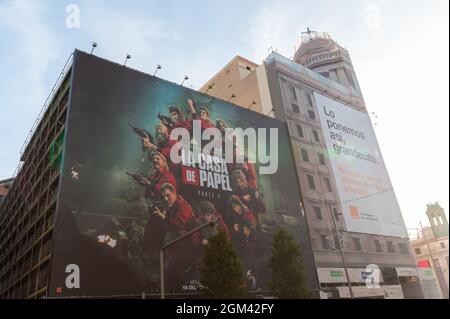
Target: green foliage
288,279
220,269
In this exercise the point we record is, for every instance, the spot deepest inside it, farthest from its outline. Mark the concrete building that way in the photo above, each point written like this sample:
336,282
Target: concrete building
27,214
284,89
42,235
431,247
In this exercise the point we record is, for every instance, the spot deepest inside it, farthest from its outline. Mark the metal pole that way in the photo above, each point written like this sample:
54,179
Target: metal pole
344,262
173,242
161,268
432,260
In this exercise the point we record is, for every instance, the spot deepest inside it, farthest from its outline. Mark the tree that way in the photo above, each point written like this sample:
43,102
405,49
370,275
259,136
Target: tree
220,269
288,279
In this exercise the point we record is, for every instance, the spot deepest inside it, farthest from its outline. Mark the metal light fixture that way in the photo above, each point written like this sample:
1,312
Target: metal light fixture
126,59
94,45
184,80
210,87
158,67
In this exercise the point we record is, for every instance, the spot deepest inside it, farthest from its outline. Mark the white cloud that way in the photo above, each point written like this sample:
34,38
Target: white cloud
406,84
403,80
277,26
28,50
34,49
120,32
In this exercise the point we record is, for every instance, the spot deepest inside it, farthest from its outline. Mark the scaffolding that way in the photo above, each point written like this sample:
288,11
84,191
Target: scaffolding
27,213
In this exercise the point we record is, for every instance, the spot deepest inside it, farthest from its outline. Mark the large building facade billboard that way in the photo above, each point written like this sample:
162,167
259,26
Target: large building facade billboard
365,191
132,182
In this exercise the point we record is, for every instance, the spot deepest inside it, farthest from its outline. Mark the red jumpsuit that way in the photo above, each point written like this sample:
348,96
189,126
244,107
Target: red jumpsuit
181,257
153,191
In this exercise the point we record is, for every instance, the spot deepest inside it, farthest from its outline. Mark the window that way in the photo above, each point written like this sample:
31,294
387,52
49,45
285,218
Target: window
292,93
325,243
337,244
442,245
327,184
403,248
390,247
318,212
316,136
311,115
321,159
295,108
389,276
305,155
349,77
417,251
378,247
308,99
300,131
311,181
357,242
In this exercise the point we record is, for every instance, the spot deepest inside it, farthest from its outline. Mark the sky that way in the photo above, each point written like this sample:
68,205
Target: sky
399,48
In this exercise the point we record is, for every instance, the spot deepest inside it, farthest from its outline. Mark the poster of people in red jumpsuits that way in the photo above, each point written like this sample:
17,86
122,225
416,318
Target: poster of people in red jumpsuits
139,171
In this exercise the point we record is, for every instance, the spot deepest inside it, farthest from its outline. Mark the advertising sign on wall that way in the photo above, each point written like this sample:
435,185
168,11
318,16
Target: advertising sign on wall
365,191
131,183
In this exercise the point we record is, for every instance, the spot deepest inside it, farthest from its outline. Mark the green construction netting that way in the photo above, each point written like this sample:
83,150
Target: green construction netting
56,151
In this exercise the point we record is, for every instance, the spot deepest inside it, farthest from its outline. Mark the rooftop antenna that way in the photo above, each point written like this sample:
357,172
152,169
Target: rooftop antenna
158,67
253,103
184,80
210,87
126,59
94,45
308,31
231,97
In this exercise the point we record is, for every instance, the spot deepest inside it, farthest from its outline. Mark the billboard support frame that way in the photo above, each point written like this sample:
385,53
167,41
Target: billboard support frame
172,243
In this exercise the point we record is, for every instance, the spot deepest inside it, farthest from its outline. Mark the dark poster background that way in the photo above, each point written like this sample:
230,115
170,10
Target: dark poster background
98,199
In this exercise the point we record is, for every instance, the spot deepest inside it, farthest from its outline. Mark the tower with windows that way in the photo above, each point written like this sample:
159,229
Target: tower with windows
438,220
320,53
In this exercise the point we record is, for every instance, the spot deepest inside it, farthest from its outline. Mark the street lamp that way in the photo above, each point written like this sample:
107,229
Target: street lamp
341,251
434,266
173,242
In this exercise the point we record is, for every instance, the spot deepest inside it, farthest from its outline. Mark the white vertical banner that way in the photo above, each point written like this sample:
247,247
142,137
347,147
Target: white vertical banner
368,201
